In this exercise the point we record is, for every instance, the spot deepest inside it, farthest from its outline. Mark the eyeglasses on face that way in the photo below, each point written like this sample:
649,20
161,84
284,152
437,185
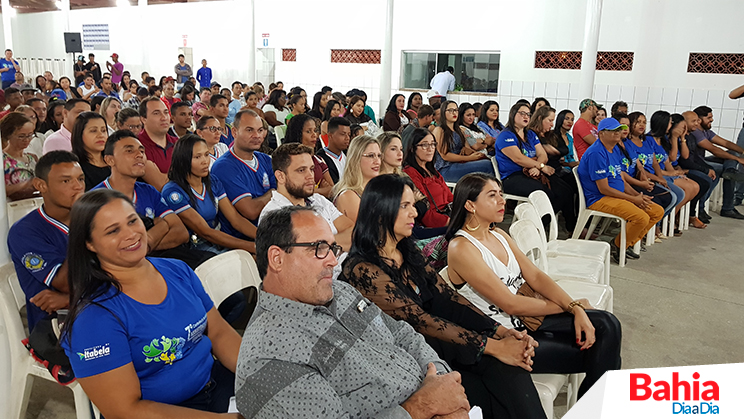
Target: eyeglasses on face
134,127
426,145
213,129
25,136
322,248
525,114
372,155
452,110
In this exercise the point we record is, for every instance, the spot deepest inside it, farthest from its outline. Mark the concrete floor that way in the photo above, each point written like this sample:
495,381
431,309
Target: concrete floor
682,303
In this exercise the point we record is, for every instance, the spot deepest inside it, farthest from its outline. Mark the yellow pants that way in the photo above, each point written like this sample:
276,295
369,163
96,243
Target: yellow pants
638,221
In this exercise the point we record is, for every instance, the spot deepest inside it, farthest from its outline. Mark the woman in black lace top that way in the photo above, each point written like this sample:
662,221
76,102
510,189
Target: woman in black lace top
384,265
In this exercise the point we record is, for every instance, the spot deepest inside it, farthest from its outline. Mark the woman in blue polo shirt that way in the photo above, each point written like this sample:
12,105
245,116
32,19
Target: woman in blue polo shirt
199,200
523,167
142,332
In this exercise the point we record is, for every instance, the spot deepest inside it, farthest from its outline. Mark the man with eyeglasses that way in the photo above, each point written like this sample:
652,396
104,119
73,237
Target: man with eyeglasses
600,173
245,172
158,144
584,131
295,185
316,348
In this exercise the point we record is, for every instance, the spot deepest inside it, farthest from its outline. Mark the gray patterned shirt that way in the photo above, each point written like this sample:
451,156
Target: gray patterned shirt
346,360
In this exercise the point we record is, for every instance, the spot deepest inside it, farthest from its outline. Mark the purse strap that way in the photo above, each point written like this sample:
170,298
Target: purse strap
431,197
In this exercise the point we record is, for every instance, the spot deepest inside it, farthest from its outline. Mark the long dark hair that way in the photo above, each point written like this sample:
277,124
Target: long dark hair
484,114
87,280
391,105
295,127
659,124
274,98
555,136
447,134
381,201
410,157
537,100
317,97
464,107
180,167
78,145
410,99
510,124
666,141
329,107
633,118
468,189
49,122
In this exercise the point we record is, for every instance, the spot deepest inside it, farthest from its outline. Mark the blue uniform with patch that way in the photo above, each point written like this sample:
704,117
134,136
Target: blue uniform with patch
38,247
629,164
597,163
165,342
646,153
242,181
227,137
147,200
178,201
508,138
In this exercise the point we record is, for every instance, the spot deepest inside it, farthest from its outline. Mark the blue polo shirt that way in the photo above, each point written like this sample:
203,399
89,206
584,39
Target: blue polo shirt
164,342
10,74
242,181
646,153
38,247
597,163
204,77
178,201
508,138
227,138
147,200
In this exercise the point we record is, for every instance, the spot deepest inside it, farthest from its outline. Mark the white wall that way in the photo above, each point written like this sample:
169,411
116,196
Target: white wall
661,33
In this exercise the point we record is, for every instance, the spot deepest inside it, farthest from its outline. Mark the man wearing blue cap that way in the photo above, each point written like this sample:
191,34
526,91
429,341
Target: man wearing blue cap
600,174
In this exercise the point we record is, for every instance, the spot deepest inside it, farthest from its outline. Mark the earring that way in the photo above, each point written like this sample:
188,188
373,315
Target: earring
467,225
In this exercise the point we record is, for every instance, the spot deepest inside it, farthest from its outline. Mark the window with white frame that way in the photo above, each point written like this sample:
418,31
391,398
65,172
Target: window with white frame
474,71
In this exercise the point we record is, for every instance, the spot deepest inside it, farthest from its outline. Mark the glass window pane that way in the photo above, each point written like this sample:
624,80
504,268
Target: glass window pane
418,69
473,72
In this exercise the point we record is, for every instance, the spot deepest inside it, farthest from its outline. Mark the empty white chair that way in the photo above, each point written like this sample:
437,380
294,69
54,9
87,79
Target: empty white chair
574,267
528,240
228,273
23,367
18,209
596,250
279,132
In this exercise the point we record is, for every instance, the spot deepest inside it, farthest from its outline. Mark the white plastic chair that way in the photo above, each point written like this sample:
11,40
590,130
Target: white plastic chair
498,176
585,213
525,234
18,209
548,386
23,367
228,273
279,132
596,250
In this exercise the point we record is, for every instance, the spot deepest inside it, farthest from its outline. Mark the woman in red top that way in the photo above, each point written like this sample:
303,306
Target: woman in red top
419,165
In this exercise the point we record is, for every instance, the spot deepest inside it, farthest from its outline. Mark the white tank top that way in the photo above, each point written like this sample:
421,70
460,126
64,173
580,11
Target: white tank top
510,274
86,90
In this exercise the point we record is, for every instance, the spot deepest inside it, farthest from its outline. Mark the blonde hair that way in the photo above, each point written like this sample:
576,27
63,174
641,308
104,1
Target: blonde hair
385,139
352,178
104,108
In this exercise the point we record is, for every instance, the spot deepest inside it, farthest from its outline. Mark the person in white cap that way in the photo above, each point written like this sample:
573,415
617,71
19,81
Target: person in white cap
434,97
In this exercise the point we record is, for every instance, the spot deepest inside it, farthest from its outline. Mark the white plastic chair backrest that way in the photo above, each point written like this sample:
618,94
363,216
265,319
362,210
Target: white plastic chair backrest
445,275
495,165
525,211
541,203
228,273
524,232
279,132
18,209
10,314
582,198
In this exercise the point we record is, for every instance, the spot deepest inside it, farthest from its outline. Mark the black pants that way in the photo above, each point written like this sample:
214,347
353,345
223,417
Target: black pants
562,195
559,353
501,390
704,184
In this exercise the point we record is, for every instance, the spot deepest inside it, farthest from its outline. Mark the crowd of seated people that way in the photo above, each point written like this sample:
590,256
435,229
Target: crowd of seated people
149,185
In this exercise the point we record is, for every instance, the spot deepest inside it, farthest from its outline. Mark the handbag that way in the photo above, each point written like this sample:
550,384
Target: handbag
446,209
530,322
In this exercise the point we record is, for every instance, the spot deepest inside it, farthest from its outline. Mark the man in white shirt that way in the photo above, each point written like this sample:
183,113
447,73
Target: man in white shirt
339,137
295,185
444,82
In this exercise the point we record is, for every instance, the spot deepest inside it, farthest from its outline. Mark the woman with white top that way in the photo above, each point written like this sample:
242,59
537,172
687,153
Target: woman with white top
275,111
487,268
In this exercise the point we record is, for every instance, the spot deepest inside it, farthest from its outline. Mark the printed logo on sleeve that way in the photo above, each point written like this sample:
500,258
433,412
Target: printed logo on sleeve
175,197
95,352
33,262
266,182
149,213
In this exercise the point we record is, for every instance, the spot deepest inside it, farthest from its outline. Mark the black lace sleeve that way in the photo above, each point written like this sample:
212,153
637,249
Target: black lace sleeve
396,301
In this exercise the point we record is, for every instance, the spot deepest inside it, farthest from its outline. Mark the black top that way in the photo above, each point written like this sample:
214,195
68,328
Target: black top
78,79
453,326
94,174
361,120
96,73
315,114
554,161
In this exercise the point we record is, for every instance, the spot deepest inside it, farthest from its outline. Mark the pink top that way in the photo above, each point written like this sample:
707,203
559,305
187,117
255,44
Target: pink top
59,140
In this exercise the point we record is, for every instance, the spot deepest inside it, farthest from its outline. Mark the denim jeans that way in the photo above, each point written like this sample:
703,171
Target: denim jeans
700,177
728,186
454,171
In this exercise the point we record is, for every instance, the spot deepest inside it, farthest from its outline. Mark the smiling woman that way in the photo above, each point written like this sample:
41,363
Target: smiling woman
17,130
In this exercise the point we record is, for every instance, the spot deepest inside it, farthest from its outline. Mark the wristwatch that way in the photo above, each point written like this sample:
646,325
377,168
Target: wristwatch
542,165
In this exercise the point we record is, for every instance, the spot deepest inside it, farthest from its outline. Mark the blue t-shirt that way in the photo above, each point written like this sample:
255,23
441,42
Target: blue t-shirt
165,342
629,164
233,109
493,132
10,74
38,247
659,153
204,77
227,138
102,93
597,163
508,138
178,201
646,153
147,200
242,181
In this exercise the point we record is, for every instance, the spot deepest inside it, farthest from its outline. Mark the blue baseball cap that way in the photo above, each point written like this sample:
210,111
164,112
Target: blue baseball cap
610,124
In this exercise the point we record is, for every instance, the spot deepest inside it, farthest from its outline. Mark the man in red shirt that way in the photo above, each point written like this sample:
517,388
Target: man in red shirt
169,91
584,132
158,144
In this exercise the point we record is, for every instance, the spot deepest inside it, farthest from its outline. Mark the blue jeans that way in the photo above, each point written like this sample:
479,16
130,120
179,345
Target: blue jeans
7,83
454,171
728,186
678,192
698,175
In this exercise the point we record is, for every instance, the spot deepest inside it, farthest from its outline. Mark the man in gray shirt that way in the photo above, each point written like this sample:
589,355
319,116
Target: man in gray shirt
316,348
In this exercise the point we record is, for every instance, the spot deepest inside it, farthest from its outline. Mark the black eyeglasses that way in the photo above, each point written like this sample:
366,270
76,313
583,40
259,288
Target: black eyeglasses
322,248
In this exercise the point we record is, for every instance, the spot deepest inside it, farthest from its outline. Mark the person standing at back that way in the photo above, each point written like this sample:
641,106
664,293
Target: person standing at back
116,69
444,82
204,75
93,68
183,71
8,69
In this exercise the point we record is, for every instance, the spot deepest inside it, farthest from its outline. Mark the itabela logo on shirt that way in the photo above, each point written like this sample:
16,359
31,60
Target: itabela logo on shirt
95,352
